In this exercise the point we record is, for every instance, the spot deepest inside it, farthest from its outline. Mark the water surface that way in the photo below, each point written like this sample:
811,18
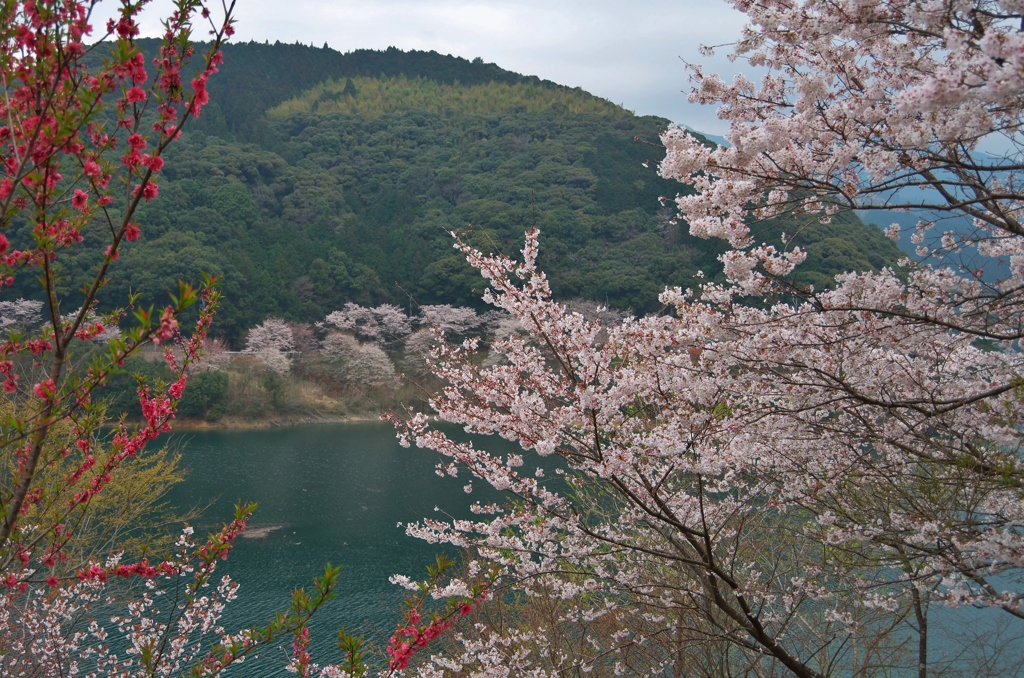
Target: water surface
329,493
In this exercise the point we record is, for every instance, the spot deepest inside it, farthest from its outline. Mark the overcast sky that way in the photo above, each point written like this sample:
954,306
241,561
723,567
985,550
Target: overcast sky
628,51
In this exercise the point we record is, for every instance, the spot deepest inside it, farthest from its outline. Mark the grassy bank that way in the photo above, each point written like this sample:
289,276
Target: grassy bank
234,390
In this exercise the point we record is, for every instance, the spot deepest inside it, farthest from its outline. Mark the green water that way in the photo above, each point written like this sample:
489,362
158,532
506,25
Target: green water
334,493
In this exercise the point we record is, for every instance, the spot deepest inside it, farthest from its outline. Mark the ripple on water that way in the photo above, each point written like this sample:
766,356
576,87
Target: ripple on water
329,493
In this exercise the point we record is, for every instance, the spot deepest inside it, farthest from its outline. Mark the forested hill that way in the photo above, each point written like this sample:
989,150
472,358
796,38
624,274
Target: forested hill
258,76
315,178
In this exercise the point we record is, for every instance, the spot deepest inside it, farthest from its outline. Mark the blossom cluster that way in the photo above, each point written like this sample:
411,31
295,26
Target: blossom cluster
42,626
863,105
695,452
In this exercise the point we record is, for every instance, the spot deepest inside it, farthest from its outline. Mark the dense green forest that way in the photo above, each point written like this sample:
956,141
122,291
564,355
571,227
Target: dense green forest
315,178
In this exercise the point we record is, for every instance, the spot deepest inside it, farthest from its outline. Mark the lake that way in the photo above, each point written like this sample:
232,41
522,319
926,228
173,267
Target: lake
335,493
330,493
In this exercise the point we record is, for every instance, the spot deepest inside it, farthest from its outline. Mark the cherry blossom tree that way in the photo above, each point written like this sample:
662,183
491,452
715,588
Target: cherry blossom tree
216,355
885,106
450,319
20,314
382,325
416,351
273,361
271,333
793,476
723,469
868,106
270,342
441,320
356,363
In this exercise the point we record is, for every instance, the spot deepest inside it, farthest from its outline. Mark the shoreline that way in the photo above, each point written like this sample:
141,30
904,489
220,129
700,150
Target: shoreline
235,424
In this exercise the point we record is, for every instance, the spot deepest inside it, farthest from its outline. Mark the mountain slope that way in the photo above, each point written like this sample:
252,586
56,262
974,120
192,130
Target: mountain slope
316,178
258,76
